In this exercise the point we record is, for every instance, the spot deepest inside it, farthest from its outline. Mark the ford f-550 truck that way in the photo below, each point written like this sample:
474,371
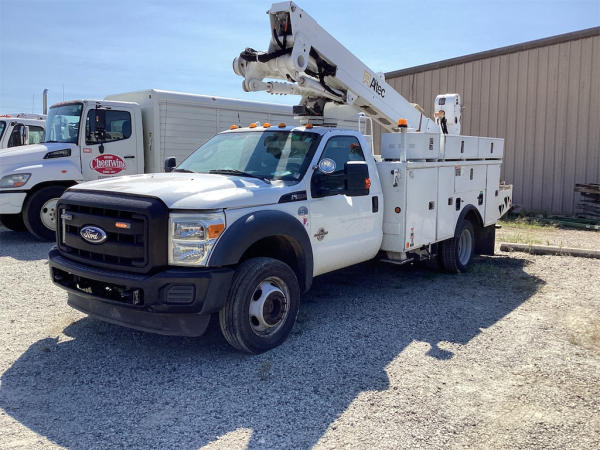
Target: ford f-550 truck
242,226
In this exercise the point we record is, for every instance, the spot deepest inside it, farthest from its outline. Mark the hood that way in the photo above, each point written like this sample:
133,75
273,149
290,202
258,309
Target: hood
34,153
195,190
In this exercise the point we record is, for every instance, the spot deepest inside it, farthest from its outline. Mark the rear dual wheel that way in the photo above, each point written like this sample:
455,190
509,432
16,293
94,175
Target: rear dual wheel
456,253
262,305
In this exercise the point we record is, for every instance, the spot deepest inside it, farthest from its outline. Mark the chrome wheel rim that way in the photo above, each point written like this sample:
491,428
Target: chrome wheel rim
465,246
269,306
48,214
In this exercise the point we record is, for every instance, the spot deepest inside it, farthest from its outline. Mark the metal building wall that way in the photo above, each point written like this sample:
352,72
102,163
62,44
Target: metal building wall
542,97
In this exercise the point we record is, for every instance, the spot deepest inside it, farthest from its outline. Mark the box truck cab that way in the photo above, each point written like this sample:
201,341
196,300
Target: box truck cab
21,129
127,134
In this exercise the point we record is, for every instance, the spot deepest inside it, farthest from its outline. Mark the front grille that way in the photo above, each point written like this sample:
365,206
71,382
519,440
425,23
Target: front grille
127,248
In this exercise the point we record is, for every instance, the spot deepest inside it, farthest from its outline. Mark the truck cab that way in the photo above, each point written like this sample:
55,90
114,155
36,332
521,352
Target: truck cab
84,140
21,129
159,251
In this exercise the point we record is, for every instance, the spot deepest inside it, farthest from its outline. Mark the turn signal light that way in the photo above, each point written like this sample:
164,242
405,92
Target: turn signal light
123,225
252,125
214,231
233,127
367,183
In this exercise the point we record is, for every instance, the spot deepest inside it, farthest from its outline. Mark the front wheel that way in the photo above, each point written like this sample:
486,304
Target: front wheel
262,305
39,213
456,253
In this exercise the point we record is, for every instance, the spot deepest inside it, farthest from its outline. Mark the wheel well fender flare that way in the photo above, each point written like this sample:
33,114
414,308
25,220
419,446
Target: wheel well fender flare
258,225
470,210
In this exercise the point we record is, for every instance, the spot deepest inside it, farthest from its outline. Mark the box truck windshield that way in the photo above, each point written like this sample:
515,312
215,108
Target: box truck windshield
62,124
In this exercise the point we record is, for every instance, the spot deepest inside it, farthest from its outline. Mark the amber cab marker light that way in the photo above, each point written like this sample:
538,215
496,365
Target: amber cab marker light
266,125
252,125
233,127
214,231
308,126
282,125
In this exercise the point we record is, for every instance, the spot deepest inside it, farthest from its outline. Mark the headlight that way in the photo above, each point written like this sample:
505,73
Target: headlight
192,237
15,180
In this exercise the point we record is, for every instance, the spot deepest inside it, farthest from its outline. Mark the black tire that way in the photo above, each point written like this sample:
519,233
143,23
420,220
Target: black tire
279,310
13,222
453,257
33,210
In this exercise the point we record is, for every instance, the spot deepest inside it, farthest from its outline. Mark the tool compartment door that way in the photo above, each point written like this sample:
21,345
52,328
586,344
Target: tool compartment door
421,207
493,200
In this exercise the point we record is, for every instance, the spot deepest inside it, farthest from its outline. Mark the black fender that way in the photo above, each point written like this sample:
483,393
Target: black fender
251,228
466,210
485,237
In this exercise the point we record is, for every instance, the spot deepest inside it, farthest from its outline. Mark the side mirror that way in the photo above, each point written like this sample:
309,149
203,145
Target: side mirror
170,164
100,127
24,135
357,178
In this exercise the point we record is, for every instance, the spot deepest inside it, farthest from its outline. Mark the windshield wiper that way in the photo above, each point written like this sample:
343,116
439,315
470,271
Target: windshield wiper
240,173
183,170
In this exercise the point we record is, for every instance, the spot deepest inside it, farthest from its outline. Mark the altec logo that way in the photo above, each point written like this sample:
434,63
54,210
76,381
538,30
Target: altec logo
373,84
108,164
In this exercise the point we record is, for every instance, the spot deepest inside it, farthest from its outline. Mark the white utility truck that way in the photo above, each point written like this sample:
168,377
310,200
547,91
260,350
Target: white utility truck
243,225
124,134
21,129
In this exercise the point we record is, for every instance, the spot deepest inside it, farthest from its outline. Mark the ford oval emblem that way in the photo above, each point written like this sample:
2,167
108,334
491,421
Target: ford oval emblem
93,235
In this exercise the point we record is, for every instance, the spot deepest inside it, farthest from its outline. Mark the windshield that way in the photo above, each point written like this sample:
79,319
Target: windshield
270,155
2,127
62,124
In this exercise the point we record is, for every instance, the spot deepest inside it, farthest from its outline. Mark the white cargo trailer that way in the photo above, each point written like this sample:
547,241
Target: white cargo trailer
175,124
125,134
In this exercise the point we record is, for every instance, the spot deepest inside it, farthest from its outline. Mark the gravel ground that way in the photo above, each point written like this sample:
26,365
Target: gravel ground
507,355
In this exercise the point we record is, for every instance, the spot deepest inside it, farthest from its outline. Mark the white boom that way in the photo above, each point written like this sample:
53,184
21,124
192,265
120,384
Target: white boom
316,66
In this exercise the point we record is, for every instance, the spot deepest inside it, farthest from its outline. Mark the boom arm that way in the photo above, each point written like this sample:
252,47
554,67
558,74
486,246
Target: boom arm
316,66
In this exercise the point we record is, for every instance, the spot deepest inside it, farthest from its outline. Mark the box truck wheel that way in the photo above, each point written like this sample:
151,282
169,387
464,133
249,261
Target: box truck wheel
262,305
39,213
456,253
12,222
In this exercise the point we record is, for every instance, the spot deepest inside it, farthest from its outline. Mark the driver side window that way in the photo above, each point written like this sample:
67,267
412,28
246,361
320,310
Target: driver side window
107,126
340,149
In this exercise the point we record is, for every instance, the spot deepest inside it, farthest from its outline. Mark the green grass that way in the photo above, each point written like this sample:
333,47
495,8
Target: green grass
526,223
519,238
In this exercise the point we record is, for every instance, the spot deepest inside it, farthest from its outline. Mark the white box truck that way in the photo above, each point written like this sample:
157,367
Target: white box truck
244,223
21,129
125,134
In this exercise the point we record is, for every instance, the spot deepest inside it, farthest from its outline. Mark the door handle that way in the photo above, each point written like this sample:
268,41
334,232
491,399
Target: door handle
129,156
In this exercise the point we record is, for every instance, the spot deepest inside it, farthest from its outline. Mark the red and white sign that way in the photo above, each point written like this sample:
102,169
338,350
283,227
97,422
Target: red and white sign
108,164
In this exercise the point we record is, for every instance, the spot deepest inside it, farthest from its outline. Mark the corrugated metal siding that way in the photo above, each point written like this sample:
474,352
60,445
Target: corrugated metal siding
545,103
